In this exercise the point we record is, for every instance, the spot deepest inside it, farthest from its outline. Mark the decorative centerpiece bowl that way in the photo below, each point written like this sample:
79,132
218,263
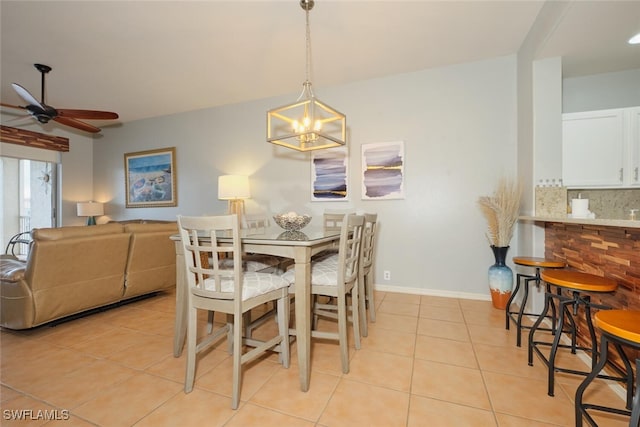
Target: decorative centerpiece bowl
291,221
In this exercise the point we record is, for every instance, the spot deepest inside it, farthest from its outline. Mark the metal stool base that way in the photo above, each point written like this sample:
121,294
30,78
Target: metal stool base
633,399
564,303
516,316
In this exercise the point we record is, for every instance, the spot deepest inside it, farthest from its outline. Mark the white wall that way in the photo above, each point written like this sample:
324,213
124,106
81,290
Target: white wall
547,113
459,128
601,91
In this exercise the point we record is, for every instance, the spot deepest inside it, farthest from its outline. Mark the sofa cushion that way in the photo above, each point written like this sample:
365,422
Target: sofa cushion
151,264
151,227
74,232
141,221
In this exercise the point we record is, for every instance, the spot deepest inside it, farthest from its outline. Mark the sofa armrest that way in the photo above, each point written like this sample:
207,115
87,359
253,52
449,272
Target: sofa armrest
16,298
12,270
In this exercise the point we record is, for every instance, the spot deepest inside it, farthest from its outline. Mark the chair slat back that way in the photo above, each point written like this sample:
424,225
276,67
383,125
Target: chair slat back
202,252
349,249
332,219
255,222
368,239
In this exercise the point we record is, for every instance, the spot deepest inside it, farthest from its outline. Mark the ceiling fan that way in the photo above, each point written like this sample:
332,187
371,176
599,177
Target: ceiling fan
43,112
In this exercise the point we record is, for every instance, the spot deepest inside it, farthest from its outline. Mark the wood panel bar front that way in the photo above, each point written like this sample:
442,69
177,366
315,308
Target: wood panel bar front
611,251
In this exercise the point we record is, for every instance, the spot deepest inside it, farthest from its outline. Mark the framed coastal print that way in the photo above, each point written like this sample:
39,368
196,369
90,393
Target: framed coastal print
150,178
383,171
330,174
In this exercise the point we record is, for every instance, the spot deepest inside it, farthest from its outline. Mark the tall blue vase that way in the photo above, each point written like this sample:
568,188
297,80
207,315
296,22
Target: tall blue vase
500,278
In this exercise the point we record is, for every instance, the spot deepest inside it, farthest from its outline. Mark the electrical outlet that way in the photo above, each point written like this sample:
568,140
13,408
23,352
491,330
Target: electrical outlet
387,275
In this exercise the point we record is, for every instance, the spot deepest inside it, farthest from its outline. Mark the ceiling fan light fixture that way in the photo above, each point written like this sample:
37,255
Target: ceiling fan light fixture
308,123
635,39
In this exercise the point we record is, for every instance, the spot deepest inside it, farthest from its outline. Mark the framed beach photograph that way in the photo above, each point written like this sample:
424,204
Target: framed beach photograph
150,178
383,171
330,175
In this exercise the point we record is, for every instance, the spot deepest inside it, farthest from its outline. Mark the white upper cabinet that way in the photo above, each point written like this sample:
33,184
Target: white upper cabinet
634,147
601,149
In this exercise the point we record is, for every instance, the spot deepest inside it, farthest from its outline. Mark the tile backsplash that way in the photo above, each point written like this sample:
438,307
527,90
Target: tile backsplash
609,204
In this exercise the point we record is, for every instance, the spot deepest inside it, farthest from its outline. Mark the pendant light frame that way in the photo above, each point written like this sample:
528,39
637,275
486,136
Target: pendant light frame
307,124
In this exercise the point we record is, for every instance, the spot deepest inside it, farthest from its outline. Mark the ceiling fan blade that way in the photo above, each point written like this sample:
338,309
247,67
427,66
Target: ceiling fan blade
76,124
19,120
16,107
86,114
24,94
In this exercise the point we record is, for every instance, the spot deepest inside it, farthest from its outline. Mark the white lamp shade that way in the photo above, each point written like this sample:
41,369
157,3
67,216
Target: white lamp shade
231,187
90,209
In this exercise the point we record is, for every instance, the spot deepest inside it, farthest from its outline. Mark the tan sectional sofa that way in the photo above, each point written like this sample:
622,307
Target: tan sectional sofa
73,269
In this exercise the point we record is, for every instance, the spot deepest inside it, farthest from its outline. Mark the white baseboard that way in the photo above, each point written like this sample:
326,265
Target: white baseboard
432,292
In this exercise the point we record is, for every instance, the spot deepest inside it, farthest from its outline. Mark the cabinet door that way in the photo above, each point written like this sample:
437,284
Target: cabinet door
634,147
592,148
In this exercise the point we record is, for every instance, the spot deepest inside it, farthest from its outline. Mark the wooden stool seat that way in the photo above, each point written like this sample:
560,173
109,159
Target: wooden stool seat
516,315
618,327
624,324
579,281
573,289
539,262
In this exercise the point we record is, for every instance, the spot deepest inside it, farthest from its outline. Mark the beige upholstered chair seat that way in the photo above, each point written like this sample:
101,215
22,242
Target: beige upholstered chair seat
253,285
323,273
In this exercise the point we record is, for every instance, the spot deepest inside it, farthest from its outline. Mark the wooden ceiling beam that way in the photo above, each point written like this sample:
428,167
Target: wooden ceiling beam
33,139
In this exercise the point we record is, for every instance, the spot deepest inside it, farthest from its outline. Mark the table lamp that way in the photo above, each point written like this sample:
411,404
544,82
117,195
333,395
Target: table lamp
234,188
91,210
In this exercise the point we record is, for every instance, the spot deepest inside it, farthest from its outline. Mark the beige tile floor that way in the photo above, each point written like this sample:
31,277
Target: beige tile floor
428,361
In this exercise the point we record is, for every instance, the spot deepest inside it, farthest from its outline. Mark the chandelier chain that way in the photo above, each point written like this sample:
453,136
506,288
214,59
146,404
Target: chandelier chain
308,48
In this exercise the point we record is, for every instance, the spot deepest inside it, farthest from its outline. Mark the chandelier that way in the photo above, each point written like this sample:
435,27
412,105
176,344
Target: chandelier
307,124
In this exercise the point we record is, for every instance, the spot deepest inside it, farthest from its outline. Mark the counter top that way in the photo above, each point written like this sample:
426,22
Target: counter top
586,221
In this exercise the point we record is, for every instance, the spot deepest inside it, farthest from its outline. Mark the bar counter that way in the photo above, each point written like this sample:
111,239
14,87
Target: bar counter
585,221
604,247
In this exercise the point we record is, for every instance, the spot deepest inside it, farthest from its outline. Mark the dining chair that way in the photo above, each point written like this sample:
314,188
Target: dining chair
253,223
365,278
256,224
365,284
331,221
230,291
337,277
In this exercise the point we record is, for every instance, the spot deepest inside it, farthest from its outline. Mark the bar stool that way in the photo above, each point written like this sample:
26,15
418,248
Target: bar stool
538,263
618,327
578,284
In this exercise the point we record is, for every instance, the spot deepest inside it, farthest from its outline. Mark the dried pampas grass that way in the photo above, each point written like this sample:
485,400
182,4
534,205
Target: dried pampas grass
501,211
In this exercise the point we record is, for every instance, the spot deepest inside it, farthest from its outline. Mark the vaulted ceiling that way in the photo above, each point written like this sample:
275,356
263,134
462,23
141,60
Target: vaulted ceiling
148,58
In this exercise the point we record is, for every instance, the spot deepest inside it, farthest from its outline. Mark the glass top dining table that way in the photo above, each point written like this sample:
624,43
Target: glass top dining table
299,246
